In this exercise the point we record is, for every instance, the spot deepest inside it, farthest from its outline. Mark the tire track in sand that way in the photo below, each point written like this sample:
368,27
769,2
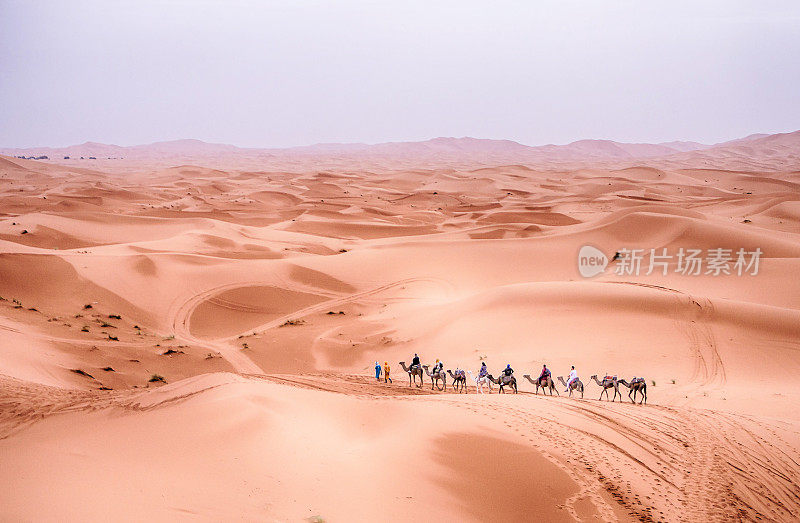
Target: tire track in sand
180,318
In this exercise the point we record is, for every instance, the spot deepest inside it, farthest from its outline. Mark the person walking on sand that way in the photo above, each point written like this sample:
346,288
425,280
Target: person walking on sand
386,376
377,371
573,375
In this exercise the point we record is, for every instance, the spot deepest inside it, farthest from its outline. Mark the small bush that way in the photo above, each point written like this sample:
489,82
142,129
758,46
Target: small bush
156,378
112,338
87,306
115,316
85,328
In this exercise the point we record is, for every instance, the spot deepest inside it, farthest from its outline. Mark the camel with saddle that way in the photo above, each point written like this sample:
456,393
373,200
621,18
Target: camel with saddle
545,382
608,382
636,385
504,381
435,376
414,371
459,378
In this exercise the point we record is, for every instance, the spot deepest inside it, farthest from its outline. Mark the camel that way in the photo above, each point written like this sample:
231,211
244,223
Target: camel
459,380
480,382
511,381
435,377
415,371
575,385
638,386
544,383
607,384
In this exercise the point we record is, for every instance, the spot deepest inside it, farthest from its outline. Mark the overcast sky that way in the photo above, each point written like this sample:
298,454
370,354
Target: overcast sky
279,73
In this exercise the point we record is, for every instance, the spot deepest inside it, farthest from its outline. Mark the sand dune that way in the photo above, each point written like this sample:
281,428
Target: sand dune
262,285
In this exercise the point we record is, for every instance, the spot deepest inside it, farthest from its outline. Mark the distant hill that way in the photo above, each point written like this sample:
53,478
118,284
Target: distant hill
786,144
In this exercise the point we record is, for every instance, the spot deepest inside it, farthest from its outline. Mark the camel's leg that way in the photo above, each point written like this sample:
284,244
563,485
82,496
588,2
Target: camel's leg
632,391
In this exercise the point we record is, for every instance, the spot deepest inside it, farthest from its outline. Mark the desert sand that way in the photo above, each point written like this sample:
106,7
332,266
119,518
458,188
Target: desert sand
263,284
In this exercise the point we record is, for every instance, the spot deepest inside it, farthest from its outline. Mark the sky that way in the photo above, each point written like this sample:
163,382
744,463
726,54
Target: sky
284,73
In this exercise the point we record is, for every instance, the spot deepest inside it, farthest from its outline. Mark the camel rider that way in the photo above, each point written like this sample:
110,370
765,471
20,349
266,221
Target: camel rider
545,373
415,361
438,366
508,370
573,375
484,371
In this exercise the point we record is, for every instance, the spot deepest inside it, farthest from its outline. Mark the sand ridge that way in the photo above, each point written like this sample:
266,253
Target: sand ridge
263,289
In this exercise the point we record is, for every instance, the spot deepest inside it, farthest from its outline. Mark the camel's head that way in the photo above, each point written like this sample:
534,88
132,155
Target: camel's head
593,377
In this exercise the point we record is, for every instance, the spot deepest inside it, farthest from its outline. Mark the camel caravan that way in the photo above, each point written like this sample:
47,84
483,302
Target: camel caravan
505,380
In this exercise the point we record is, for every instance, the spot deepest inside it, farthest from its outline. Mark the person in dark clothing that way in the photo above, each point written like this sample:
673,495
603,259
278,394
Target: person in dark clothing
415,361
508,370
